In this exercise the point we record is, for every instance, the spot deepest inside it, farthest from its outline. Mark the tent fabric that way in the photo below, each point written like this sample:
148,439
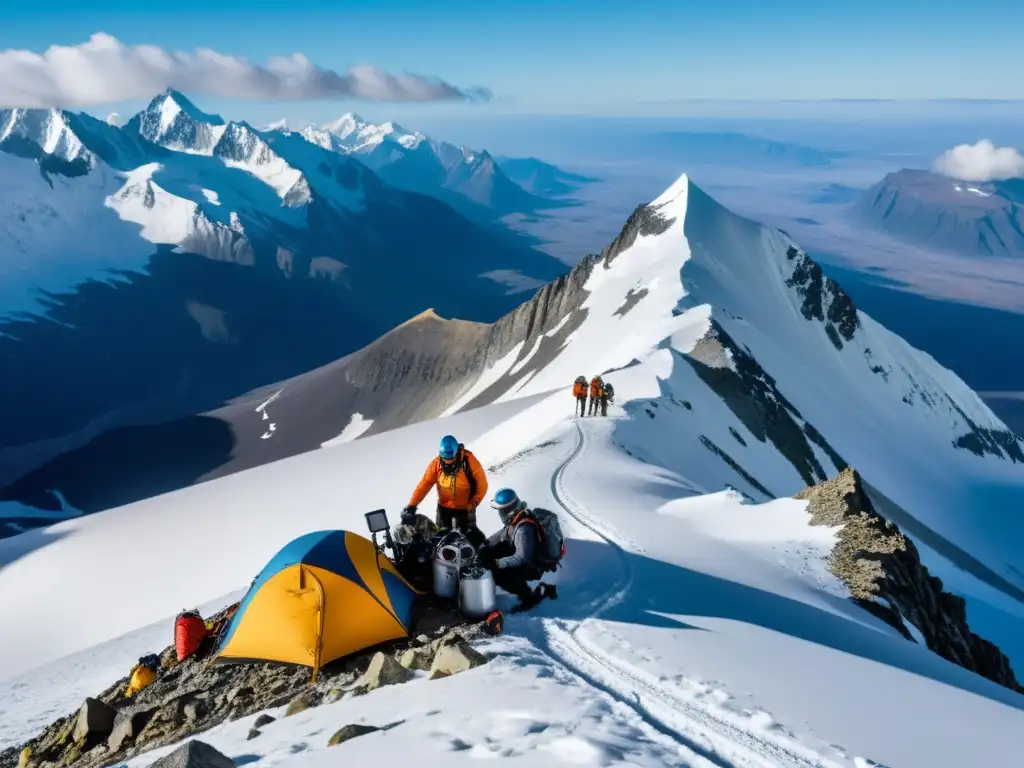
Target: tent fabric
321,597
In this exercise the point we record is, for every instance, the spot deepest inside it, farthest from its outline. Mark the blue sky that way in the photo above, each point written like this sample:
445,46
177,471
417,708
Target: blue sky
571,56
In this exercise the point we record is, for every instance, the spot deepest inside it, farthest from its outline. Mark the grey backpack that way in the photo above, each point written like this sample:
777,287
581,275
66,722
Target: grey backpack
552,542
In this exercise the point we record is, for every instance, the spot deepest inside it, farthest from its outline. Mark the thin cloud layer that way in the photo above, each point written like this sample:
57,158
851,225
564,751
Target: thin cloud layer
105,70
983,161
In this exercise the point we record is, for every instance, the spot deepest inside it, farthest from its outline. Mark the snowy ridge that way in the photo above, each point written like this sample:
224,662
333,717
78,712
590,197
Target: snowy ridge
241,147
48,129
411,160
168,219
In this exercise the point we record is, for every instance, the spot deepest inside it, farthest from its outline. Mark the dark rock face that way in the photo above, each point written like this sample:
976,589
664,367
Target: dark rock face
823,299
645,220
751,394
981,441
193,696
883,570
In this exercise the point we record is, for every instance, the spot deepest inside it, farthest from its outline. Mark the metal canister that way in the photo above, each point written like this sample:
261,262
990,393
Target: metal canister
476,593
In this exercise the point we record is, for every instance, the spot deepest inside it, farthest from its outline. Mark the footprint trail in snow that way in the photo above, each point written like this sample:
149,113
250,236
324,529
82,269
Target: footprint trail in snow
704,735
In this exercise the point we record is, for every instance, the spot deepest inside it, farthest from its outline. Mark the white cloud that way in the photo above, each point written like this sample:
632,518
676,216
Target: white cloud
114,119
983,161
104,70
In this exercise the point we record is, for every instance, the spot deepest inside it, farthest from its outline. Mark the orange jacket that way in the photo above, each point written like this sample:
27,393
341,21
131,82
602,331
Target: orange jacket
579,390
452,490
595,388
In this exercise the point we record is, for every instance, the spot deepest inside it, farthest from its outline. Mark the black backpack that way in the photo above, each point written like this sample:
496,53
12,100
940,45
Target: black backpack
464,466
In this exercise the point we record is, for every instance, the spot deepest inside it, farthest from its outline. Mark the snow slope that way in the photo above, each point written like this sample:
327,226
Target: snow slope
694,626
912,428
677,639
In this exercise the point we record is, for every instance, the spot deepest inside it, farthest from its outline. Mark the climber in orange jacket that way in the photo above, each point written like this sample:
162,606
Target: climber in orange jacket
461,485
579,391
596,393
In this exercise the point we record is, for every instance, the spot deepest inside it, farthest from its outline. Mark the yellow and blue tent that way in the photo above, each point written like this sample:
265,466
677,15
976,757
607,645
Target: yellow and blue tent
323,596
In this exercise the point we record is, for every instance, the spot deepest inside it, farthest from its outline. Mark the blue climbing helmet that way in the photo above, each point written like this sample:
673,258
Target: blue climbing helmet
506,501
449,448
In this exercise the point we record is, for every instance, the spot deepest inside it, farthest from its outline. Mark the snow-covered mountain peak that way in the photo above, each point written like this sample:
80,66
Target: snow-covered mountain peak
48,130
345,125
174,122
242,147
173,101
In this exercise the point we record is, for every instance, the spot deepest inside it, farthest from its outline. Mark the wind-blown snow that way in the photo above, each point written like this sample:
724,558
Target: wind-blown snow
356,426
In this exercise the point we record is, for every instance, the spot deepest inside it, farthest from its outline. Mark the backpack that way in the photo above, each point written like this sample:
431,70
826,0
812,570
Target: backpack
609,390
189,632
552,542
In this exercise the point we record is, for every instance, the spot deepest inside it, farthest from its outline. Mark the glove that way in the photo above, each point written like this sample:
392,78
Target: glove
485,556
409,515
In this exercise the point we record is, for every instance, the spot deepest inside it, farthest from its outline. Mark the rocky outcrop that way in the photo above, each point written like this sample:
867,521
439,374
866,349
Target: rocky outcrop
453,656
823,299
194,754
349,732
193,696
884,573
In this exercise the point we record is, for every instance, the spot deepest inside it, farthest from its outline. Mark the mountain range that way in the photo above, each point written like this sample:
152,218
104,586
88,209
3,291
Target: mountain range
471,181
172,263
976,219
428,366
795,539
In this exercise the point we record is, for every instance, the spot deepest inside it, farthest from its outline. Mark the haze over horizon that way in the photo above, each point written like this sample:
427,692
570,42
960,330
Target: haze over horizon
670,58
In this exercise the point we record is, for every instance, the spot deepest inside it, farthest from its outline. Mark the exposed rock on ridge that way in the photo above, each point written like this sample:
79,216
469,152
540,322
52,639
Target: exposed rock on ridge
885,575
751,394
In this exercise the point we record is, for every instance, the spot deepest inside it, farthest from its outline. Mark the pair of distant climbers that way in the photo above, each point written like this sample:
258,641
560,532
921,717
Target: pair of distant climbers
601,393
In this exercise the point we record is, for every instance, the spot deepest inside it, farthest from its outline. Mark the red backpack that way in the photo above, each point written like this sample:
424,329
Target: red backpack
189,633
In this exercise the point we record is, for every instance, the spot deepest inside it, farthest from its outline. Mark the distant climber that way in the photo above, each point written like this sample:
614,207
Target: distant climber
579,391
595,395
528,544
607,396
461,485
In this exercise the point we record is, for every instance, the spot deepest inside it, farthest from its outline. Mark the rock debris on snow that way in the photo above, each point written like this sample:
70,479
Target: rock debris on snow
876,560
194,754
193,696
349,732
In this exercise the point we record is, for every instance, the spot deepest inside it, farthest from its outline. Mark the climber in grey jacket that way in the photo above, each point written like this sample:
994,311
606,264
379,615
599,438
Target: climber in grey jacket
511,553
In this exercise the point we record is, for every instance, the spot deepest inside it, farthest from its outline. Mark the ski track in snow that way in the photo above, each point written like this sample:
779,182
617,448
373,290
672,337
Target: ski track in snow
706,737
